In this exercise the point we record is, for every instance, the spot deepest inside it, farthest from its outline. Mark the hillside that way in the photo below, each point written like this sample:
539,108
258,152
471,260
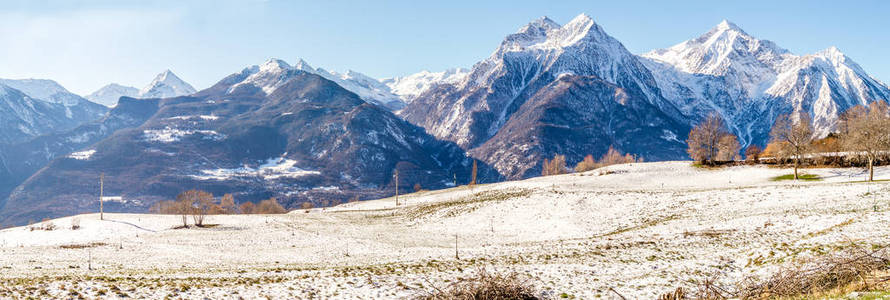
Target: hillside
269,131
640,229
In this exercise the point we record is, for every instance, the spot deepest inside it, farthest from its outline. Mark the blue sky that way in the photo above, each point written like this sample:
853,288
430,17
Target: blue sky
86,44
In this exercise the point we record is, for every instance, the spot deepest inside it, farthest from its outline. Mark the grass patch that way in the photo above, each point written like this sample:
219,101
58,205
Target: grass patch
83,246
804,177
466,204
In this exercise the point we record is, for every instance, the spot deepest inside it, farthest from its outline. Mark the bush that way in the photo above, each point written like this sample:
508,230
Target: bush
485,286
75,223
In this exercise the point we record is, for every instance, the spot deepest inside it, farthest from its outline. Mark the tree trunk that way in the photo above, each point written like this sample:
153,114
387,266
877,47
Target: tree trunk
796,164
871,169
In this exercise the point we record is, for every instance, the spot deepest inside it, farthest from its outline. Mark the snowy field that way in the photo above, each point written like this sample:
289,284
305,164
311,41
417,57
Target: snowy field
640,229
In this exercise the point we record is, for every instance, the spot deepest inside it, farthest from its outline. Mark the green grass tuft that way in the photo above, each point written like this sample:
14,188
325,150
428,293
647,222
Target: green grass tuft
804,177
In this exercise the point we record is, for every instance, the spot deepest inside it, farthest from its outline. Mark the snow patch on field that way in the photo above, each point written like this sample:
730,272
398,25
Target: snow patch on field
271,169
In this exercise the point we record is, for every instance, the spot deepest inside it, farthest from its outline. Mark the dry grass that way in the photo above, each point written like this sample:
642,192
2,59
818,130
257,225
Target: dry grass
845,271
484,286
83,246
821,274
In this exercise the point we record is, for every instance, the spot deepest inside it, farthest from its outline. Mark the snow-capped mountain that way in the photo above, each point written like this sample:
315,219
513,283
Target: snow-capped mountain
751,81
274,72
409,87
109,94
33,107
268,131
166,85
24,117
527,101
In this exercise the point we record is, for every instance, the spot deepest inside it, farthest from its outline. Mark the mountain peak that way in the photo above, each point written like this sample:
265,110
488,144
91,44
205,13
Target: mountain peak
581,18
303,65
166,84
275,63
543,23
834,55
832,51
727,25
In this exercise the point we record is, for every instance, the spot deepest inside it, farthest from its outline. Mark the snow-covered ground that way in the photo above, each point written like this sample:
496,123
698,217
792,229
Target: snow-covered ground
640,229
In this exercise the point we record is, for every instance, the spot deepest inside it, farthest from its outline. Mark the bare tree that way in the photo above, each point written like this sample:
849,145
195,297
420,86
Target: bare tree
227,203
270,206
795,136
473,175
586,165
195,203
866,132
247,208
554,167
728,148
752,153
704,139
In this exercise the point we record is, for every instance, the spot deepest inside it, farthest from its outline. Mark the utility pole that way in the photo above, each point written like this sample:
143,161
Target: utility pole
397,187
455,248
101,196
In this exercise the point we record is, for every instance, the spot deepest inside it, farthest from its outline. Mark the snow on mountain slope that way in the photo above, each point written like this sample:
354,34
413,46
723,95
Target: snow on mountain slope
33,107
109,94
409,87
638,230
44,89
512,86
166,85
22,117
274,72
306,135
751,81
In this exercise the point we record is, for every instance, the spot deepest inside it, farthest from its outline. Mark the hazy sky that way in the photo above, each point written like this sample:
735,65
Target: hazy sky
86,44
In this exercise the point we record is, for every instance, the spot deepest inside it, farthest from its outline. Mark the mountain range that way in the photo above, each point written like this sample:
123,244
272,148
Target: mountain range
268,130
305,134
165,85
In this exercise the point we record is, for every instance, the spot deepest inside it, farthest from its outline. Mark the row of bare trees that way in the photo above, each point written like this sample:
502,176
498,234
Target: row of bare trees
198,204
557,165
863,134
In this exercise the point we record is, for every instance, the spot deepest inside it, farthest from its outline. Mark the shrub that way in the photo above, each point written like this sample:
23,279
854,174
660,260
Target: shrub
485,286
75,223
